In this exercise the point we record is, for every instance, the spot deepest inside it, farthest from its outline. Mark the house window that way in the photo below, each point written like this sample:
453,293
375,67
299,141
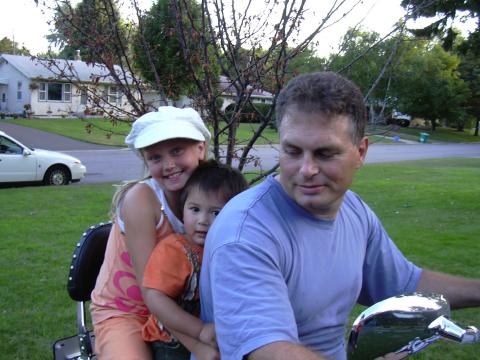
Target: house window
55,92
4,97
67,92
19,90
114,95
42,93
83,97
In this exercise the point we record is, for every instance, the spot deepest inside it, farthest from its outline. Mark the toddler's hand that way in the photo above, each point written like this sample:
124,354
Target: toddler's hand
207,335
205,352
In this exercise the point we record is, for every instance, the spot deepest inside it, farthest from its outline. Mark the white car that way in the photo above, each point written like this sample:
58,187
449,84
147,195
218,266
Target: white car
20,163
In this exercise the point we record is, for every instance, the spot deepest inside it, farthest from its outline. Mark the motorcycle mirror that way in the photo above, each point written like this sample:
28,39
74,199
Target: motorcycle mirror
391,324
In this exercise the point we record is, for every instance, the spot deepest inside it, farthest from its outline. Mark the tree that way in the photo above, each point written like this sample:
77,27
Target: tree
254,49
94,27
157,44
366,59
469,52
305,61
7,46
370,61
428,84
444,11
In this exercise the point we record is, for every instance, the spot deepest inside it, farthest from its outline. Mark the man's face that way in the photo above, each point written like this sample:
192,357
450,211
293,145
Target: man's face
318,160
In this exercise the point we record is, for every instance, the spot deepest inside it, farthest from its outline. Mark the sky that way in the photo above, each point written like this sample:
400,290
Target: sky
23,21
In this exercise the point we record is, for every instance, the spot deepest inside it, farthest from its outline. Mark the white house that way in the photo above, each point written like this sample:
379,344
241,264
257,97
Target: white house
228,91
61,87
53,89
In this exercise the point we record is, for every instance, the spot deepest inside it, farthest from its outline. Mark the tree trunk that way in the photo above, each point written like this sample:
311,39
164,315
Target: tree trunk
476,127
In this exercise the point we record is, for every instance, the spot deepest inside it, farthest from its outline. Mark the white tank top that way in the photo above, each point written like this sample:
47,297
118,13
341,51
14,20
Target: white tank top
177,225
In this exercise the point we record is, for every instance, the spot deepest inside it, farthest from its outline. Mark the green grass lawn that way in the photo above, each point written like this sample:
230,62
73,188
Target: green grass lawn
97,131
413,133
430,208
103,131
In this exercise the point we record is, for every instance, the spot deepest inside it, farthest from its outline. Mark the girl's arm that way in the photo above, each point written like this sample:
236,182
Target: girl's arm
140,212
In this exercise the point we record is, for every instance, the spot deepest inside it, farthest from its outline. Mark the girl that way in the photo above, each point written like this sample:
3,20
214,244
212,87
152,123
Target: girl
171,142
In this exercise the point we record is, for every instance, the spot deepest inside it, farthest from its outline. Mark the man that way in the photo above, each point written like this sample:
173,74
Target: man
286,261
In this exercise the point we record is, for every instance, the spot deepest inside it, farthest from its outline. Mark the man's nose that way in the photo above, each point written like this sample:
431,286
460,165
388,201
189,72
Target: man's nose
308,167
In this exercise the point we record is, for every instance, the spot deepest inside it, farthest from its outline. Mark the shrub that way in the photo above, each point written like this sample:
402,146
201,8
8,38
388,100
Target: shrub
249,113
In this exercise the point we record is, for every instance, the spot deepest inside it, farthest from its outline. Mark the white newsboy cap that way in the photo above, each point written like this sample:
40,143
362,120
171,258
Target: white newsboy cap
167,123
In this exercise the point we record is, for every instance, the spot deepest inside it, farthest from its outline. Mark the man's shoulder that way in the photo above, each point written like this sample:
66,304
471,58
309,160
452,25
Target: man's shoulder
352,199
253,197
249,211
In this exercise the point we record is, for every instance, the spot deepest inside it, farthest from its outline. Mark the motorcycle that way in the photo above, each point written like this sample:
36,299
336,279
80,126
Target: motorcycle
391,329
401,326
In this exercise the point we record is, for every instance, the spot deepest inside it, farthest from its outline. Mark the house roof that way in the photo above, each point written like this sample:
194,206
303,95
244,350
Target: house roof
227,87
59,69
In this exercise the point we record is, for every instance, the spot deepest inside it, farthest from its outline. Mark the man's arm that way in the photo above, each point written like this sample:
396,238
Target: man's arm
282,350
460,292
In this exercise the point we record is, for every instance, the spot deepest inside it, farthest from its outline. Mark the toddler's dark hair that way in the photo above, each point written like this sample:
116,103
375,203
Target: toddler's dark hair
217,178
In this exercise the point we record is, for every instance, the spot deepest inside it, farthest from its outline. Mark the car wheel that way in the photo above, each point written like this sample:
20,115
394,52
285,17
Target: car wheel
57,175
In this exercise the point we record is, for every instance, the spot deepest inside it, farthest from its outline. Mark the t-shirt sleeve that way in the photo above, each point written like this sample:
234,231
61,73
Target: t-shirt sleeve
167,269
250,299
386,271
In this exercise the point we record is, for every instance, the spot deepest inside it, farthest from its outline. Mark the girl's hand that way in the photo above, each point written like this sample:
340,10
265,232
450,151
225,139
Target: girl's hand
205,352
207,335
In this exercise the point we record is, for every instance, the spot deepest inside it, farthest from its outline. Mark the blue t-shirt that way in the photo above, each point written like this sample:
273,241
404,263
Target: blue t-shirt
273,272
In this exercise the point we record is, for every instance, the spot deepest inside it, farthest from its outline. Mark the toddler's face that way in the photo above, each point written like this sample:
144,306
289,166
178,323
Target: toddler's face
199,211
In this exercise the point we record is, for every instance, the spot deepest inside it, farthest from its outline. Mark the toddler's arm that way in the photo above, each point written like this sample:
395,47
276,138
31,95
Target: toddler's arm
175,319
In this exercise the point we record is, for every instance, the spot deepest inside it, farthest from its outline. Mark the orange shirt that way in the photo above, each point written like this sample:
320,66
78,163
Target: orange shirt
173,268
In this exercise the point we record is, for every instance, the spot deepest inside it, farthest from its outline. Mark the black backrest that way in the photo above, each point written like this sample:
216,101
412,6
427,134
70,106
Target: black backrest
87,260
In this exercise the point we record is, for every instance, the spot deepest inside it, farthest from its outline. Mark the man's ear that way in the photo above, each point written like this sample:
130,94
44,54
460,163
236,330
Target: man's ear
362,151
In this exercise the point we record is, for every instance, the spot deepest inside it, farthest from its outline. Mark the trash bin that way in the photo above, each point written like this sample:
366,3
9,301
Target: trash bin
424,137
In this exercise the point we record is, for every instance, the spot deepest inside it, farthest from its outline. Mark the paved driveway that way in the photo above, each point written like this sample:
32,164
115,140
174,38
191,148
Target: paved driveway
45,140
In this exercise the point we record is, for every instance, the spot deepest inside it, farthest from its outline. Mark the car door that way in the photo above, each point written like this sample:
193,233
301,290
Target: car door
16,162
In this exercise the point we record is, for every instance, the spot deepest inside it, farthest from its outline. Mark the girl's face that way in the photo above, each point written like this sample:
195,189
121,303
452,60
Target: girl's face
171,162
199,211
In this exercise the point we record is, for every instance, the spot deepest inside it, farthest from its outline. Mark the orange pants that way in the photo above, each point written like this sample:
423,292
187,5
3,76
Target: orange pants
120,338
